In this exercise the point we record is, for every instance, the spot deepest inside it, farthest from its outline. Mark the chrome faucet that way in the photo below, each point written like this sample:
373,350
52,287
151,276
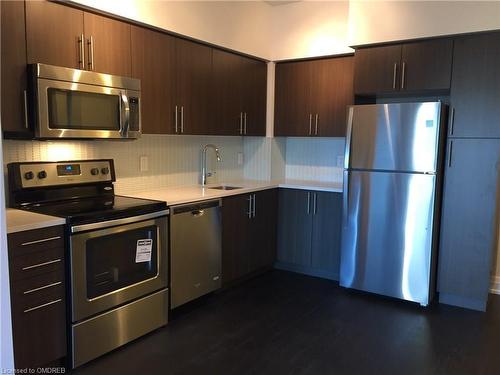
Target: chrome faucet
204,173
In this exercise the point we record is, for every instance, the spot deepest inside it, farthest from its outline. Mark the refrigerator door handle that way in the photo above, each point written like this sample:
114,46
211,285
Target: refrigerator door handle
348,138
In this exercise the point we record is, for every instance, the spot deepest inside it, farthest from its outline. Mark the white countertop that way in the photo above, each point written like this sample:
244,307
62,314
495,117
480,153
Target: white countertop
20,220
186,194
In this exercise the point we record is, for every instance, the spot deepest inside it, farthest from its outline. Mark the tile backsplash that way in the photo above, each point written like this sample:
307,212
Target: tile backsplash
175,160
314,159
172,160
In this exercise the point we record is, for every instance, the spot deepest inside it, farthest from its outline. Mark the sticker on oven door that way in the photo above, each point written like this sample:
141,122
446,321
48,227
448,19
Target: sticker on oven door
143,250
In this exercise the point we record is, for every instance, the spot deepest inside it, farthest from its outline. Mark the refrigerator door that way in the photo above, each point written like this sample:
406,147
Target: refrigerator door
387,233
393,137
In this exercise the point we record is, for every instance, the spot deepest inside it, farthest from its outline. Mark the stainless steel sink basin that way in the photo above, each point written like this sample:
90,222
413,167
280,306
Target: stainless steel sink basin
225,187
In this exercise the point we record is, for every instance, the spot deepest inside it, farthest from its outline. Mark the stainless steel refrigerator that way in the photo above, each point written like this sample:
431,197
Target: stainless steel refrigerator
392,178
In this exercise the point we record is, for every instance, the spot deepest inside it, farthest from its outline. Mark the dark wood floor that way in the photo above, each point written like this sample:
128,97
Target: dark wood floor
285,323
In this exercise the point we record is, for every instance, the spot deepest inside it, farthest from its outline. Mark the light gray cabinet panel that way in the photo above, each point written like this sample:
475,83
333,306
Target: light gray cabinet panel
469,221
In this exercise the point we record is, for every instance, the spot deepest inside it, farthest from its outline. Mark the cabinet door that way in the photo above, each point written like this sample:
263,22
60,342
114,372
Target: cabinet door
468,225
227,97
332,93
193,86
13,57
475,87
294,227
292,111
53,32
235,235
254,94
110,49
426,65
327,224
376,69
152,63
263,226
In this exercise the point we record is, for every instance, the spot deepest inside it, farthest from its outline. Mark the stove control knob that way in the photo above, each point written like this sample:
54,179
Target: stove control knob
42,174
94,171
29,175
105,170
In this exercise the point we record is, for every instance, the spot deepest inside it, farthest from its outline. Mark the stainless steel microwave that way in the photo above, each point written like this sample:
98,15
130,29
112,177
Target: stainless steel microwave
72,103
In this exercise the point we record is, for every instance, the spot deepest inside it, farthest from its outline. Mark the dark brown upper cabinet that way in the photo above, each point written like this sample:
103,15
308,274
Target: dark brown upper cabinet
312,96
153,64
54,34
13,75
239,94
107,45
331,94
404,68
64,36
192,95
475,87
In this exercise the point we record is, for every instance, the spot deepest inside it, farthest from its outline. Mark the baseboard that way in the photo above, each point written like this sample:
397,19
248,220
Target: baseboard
307,270
495,285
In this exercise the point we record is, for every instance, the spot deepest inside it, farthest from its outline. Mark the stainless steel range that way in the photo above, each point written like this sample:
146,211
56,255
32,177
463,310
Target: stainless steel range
117,247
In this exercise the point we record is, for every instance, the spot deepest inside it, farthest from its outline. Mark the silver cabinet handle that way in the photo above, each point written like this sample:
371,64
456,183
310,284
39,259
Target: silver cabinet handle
44,305
176,120
42,287
81,60
394,75
198,213
90,45
245,123
41,264
182,119
308,203
310,123
449,154
403,74
26,125
316,125
452,120
315,208
40,241
249,213
253,210
241,123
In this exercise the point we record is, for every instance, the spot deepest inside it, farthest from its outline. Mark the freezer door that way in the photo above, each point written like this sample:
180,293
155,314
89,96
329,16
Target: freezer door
393,137
387,233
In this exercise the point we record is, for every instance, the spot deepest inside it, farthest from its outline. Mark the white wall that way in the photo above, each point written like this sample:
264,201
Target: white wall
380,21
239,25
309,28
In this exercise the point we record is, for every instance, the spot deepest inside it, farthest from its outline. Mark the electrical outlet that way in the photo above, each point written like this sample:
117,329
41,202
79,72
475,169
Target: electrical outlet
143,164
240,158
340,161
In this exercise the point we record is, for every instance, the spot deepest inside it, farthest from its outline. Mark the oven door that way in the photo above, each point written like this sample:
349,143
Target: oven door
78,110
115,265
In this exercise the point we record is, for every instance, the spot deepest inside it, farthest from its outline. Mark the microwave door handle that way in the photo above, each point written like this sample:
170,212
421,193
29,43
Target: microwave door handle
126,118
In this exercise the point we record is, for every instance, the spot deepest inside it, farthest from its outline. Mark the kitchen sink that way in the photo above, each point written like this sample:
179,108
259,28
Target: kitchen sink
225,187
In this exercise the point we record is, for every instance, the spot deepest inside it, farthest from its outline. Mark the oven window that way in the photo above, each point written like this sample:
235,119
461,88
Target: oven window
83,110
111,260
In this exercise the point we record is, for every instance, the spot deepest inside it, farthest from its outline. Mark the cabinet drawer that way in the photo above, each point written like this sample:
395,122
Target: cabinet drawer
39,334
27,293
37,263
26,242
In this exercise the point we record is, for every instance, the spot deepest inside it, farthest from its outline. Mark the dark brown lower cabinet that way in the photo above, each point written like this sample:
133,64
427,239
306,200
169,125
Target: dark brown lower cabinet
309,226
36,263
248,234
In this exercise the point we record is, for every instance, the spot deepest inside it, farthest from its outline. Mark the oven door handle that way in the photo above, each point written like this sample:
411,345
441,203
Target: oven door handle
125,107
112,223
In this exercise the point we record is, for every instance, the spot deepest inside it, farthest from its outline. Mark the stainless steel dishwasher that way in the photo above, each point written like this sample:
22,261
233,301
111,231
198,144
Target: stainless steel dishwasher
195,250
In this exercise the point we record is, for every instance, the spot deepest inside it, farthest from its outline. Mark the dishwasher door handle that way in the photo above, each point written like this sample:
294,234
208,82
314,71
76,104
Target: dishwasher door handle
198,213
